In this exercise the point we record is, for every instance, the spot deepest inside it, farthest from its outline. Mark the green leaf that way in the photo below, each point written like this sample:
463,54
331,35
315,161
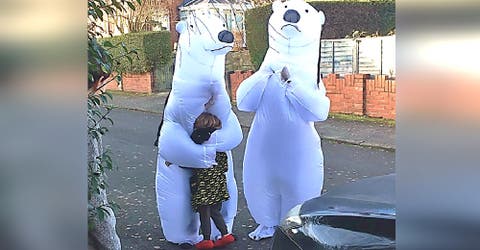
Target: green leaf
91,225
97,113
101,214
131,5
105,68
90,77
99,13
96,101
129,59
109,95
108,44
124,47
104,98
110,120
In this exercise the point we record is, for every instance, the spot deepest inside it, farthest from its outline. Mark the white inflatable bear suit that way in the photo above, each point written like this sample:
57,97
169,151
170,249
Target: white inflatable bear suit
283,164
198,79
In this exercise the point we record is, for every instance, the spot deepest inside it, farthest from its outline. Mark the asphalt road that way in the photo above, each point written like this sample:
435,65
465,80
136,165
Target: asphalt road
132,185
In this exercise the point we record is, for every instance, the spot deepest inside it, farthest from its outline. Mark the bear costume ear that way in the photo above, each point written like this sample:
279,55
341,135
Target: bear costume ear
181,27
276,5
322,17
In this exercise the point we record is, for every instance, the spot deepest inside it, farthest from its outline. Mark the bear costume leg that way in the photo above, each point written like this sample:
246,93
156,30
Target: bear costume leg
173,200
179,223
263,202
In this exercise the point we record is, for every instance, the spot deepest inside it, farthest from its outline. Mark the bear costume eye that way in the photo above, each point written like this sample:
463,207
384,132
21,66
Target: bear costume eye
285,6
191,26
224,25
306,10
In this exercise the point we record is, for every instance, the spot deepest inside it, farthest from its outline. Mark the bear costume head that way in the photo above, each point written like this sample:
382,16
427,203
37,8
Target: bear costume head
205,39
294,30
200,69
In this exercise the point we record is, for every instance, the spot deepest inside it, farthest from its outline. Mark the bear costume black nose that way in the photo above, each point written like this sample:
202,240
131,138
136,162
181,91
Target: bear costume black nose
291,16
225,36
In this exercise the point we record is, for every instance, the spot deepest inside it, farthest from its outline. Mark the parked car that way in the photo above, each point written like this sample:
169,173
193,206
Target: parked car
358,215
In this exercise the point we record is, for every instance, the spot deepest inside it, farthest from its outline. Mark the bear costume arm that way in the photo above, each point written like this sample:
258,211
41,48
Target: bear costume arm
311,103
179,148
221,106
229,136
250,91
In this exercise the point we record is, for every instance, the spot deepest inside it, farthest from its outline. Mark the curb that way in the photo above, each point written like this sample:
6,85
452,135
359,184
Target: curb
349,142
138,109
360,144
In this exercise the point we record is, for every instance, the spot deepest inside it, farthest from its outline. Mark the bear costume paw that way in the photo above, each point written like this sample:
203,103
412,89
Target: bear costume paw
262,232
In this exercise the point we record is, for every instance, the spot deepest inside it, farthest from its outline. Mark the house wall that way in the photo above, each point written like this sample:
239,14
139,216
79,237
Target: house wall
236,18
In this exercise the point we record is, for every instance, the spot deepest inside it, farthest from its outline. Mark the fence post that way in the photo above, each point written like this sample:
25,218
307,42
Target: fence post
357,56
333,57
381,56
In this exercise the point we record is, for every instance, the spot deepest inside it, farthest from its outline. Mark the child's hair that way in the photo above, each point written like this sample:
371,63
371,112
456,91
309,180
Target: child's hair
207,120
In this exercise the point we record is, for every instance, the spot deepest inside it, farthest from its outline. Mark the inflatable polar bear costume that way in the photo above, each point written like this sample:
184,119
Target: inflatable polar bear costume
283,164
198,79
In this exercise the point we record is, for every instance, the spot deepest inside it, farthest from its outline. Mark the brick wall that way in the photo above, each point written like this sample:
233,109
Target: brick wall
142,83
351,94
345,93
113,85
234,78
139,83
380,101
361,95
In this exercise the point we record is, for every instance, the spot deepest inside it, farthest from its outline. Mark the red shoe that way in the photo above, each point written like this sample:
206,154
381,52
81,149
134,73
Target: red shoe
204,244
225,240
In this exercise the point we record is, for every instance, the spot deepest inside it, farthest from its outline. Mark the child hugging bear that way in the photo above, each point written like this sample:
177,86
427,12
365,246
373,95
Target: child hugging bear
209,185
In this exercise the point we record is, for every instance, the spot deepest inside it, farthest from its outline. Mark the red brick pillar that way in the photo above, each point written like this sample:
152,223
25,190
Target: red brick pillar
380,97
235,79
174,18
139,83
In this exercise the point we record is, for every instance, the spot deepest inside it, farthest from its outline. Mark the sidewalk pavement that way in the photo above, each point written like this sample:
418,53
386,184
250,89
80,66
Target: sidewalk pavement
362,133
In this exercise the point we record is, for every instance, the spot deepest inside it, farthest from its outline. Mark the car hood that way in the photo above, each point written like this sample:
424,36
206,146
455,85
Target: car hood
370,197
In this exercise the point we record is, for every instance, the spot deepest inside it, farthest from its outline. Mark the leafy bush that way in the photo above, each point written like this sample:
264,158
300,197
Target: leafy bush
256,21
153,48
100,71
342,19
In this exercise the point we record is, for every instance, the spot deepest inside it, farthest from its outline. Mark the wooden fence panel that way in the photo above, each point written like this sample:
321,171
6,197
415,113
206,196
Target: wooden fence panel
371,55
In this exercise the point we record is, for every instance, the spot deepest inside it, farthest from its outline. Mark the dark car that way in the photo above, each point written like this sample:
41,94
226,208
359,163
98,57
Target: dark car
358,215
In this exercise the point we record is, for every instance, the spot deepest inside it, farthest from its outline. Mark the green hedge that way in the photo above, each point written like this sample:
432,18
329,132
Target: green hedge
342,19
153,48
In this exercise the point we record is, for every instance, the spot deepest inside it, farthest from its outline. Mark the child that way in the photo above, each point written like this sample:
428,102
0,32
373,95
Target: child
209,185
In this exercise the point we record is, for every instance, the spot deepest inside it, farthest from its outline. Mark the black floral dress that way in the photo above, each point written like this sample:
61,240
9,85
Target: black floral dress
209,185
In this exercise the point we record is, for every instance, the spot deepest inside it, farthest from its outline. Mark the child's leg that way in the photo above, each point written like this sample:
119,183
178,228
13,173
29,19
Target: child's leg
218,218
205,226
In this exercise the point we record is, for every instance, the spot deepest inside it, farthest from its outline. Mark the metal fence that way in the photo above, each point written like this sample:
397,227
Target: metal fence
373,55
162,77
